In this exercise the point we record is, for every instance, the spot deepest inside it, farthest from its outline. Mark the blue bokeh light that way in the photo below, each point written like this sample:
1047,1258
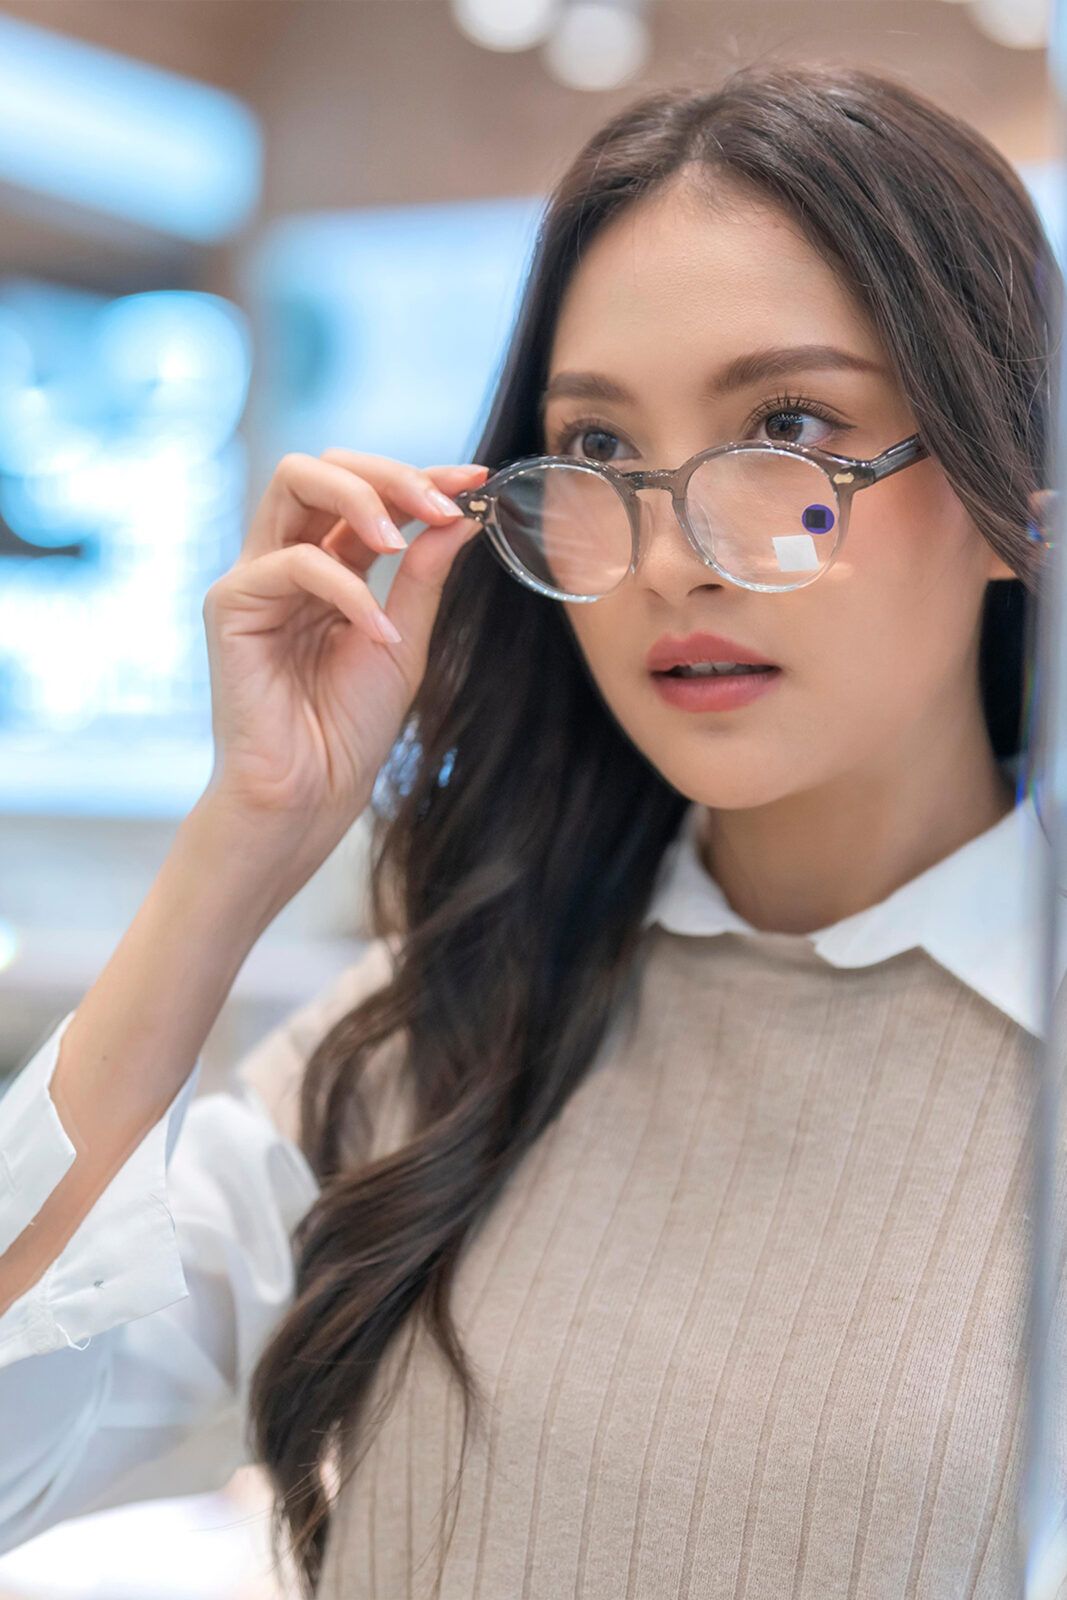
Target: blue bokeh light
99,130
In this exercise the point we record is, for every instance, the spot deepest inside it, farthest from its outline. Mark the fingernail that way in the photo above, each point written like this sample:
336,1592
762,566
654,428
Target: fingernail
391,534
386,629
442,503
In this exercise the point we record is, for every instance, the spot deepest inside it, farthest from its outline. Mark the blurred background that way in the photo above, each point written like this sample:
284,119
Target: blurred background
234,228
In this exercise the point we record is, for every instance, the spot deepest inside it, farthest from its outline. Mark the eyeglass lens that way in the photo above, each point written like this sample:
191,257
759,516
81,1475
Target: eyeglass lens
765,517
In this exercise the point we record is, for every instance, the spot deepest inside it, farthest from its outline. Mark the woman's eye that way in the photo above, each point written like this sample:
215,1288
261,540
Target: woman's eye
787,426
781,421
791,431
589,439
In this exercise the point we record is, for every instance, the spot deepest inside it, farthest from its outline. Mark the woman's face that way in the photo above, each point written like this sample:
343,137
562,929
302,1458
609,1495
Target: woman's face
879,655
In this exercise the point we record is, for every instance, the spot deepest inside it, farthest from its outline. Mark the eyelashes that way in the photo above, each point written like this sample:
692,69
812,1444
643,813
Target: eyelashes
561,438
790,404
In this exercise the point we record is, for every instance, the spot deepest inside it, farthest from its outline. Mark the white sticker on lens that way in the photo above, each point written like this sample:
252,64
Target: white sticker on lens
796,552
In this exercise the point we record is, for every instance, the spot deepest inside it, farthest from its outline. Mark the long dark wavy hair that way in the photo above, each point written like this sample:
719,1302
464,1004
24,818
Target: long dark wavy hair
518,855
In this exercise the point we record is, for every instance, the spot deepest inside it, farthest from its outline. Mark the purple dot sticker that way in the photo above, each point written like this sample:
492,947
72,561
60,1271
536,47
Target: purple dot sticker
818,518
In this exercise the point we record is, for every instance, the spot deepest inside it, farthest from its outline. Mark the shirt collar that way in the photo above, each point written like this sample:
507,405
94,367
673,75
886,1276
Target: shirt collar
979,912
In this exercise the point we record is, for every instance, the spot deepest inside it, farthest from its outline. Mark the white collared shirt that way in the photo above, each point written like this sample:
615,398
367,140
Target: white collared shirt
977,912
124,1370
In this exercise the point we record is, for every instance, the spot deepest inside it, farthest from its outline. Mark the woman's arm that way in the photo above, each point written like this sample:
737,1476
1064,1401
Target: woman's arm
124,1370
136,1035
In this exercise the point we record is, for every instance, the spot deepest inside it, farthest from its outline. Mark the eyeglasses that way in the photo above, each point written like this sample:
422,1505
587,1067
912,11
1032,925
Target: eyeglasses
763,515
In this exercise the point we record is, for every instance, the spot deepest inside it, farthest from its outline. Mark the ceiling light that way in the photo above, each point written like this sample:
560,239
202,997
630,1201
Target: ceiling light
505,24
1019,24
598,44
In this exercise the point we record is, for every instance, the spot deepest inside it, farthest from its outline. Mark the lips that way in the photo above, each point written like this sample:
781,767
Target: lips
670,652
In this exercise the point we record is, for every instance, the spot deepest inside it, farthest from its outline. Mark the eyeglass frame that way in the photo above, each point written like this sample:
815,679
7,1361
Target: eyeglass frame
846,474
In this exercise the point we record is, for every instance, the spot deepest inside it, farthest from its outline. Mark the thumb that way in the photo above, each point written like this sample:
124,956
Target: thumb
415,594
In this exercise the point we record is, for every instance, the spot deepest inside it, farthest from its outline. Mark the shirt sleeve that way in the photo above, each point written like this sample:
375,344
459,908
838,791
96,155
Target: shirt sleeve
124,1370
141,1274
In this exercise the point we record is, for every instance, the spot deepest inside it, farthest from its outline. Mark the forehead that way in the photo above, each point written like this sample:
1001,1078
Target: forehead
718,271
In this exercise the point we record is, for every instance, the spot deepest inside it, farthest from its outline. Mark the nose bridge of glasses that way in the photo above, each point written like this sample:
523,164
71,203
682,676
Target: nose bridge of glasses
660,478
663,479
670,510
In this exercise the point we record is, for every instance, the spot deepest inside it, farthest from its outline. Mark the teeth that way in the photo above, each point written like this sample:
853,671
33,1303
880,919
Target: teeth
713,669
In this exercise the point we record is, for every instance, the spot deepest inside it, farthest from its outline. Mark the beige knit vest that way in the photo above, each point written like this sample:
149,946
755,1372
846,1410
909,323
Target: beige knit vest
749,1317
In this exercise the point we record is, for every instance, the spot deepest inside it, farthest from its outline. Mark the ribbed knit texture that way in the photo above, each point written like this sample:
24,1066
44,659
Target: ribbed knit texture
749,1316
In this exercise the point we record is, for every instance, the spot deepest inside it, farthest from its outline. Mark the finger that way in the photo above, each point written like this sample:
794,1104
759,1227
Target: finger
342,541
308,494
449,479
304,499
286,573
407,493
415,592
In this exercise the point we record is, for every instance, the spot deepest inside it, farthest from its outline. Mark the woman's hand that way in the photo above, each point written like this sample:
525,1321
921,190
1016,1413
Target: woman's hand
308,697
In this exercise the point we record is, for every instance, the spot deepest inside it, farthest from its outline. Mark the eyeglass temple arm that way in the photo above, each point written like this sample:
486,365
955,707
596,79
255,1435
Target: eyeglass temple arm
897,456
912,448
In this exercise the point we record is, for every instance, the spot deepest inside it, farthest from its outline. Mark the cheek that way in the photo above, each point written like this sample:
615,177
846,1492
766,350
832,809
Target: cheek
894,617
883,639
911,534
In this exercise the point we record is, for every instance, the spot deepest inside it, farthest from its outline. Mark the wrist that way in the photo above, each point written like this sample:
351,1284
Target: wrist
249,865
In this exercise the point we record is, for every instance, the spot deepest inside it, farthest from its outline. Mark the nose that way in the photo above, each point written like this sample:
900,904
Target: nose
658,524
666,559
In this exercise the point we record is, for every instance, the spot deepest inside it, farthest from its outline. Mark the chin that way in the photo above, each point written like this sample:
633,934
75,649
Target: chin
736,790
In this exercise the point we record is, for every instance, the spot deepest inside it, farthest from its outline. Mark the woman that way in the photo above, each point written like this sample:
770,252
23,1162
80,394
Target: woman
678,1107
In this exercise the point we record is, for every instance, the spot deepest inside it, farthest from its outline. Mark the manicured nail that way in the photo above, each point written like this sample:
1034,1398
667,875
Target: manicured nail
391,534
442,503
386,629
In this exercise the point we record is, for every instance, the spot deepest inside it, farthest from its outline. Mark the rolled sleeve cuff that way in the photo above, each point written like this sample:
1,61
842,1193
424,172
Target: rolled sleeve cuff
123,1260
35,1149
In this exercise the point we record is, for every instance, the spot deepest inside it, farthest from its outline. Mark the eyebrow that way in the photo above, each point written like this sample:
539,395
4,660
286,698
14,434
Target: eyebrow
752,367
